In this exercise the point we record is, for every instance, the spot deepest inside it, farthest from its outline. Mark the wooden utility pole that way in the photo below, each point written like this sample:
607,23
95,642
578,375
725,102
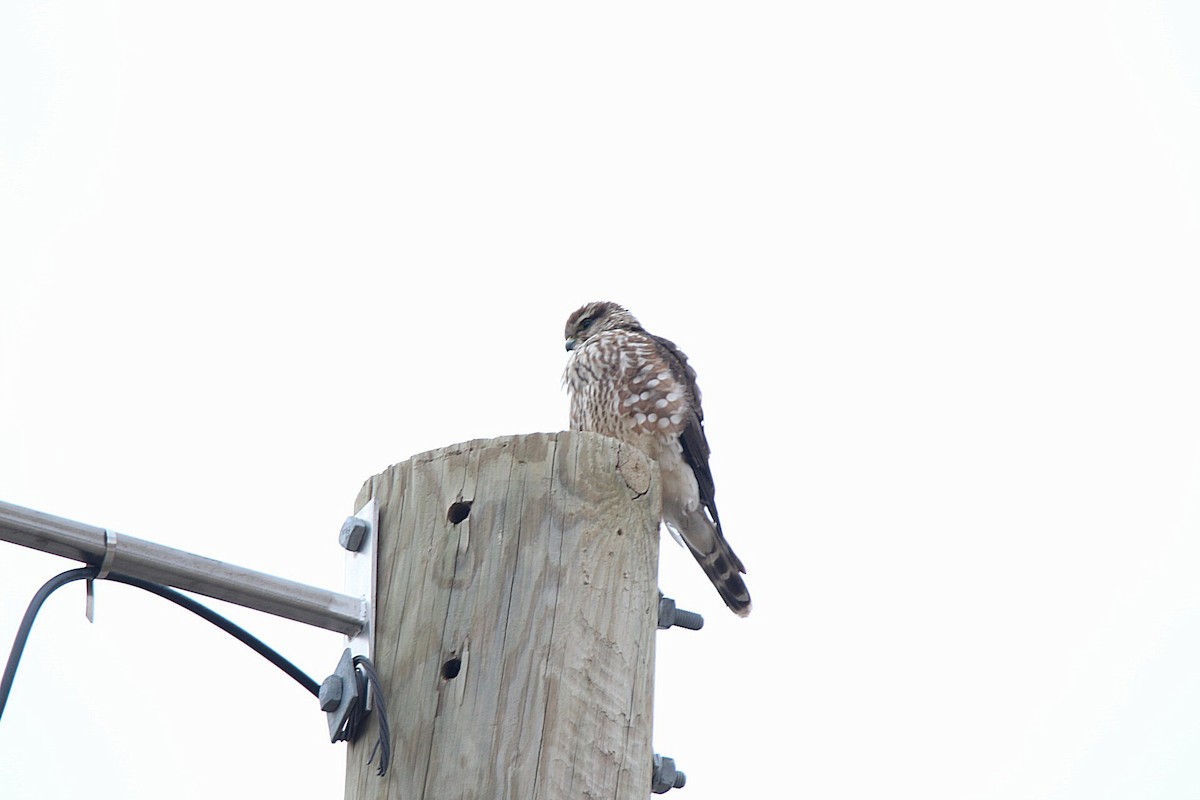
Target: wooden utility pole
516,613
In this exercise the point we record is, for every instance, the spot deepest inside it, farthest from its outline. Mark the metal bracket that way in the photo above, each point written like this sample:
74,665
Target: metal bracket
339,693
361,564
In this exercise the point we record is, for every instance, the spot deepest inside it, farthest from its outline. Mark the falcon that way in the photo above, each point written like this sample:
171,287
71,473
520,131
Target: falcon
637,387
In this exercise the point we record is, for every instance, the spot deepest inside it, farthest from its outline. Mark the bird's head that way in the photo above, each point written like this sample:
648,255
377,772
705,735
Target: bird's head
596,318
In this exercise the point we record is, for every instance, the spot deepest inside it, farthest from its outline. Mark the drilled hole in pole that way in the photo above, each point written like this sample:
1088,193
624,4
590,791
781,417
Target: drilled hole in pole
451,667
458,511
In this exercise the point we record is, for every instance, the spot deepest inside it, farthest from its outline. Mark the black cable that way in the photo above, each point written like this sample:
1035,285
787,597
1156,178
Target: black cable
14,657
368,680
58,581
237,632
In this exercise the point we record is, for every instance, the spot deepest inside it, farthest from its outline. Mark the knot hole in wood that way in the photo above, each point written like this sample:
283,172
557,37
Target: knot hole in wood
458,511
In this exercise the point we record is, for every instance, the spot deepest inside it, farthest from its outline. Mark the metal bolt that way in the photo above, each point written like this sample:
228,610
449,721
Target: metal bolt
669,615
665,776
354,531
330,693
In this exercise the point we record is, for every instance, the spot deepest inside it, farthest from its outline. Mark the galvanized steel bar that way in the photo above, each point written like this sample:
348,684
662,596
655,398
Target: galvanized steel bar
179,569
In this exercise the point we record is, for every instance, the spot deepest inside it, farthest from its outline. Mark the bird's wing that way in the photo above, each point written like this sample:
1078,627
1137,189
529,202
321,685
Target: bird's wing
695,444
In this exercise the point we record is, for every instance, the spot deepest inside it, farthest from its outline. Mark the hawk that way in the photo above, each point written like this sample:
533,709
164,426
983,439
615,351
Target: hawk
632,385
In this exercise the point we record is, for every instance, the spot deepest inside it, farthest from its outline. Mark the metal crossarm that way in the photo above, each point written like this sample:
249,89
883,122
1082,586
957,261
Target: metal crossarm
137,558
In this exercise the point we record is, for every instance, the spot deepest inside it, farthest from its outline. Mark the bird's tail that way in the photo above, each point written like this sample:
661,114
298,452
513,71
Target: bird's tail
725,571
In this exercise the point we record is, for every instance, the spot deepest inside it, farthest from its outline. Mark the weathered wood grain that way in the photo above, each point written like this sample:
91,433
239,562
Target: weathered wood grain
541,603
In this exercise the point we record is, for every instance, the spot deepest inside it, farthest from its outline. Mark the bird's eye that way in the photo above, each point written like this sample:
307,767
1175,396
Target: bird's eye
586,323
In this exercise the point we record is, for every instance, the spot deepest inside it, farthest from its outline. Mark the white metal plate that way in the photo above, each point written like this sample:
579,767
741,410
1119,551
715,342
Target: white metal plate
360,580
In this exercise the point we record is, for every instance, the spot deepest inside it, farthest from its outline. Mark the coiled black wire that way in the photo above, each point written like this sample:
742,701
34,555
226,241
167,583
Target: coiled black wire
368,686
365,671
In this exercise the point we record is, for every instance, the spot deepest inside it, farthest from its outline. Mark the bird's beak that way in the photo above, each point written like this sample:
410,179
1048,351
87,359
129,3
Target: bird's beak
570,344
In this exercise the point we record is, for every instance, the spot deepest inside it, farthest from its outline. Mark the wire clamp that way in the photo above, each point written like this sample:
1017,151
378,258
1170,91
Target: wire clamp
110,552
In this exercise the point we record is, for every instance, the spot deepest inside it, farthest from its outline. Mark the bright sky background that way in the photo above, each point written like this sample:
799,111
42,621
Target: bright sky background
937,264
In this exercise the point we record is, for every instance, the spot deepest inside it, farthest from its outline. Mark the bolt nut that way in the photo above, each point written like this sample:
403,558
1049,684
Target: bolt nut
354,531
665,776
666,612
330,694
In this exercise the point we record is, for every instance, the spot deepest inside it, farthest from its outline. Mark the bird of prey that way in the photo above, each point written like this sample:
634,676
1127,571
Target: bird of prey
632,385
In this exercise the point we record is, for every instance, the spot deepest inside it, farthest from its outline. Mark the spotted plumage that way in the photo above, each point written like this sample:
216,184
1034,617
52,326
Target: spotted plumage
629,384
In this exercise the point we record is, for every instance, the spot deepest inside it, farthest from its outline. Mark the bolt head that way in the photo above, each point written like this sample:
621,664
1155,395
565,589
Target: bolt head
330,694
354,531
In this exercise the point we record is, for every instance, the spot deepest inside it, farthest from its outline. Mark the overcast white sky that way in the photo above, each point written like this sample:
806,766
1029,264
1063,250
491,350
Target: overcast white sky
936,264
